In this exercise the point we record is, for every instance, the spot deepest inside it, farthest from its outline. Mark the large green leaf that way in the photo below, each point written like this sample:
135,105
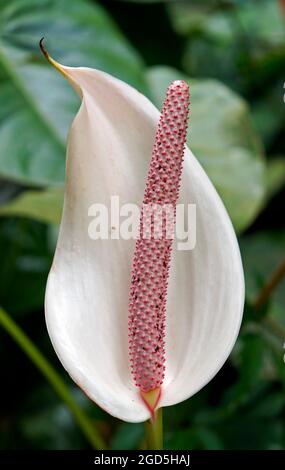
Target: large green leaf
25,259
46,423
260,19
37,105
263,18
223,139
262,253
194,438
268,112
242,45
275,176
258,426
190,18
128,436
251,362
44,206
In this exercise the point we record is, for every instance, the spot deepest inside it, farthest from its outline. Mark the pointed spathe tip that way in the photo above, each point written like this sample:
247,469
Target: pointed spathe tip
42,47
53,62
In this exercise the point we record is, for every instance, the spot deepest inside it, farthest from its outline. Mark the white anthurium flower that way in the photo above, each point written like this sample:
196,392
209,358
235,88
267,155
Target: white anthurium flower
109,150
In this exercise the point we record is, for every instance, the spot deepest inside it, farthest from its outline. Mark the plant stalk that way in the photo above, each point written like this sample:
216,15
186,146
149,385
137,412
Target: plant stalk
264,295
38,359
273,281
154,431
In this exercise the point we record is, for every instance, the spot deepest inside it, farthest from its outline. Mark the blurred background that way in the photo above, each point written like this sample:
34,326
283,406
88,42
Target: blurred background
233,53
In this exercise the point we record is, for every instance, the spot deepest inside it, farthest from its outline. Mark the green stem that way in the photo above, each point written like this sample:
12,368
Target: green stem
264,295
274,280
275,328
154,432
38,359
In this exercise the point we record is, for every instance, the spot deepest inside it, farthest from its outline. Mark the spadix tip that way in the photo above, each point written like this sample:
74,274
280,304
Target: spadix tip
179,84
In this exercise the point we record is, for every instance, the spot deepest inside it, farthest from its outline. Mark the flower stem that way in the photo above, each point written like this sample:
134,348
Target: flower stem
264,295
273,281
154,431
276,329
39,360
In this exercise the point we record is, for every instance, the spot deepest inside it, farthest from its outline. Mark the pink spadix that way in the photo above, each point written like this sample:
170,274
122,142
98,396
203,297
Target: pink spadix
147,305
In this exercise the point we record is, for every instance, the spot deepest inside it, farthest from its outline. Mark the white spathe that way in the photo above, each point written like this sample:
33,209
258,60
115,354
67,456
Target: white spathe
109,150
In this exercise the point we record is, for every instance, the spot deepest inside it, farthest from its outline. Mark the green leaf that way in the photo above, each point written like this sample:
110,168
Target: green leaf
128,436
262,253
265,19
242,45
201,18
25,260
211,33
46,422
270,407
268,112
246,432
275,176
222,138
44,206
51,428
53,378
261,19
194,438
37,105
251,362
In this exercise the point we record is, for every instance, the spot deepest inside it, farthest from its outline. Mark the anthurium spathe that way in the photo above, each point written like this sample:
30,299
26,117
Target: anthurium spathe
109,150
